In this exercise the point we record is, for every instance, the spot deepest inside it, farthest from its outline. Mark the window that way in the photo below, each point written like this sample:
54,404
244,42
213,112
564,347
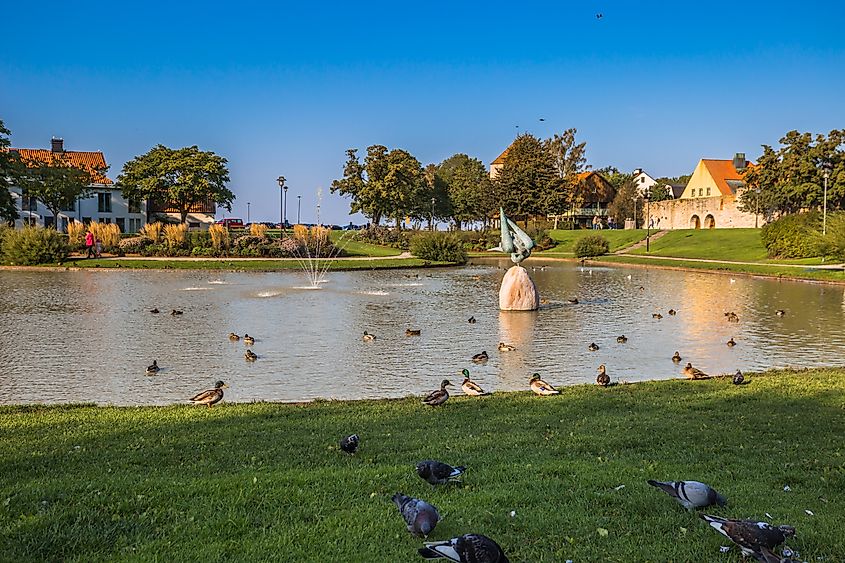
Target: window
104,202
121,224
28,203
700,192
69,208
134,206
642,180
49,221
105,220
708,191
134,225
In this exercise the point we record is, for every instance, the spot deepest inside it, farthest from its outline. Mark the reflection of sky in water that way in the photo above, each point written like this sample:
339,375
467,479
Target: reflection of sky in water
87,336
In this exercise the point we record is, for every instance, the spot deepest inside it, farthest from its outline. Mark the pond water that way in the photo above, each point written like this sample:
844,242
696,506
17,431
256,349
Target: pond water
88,336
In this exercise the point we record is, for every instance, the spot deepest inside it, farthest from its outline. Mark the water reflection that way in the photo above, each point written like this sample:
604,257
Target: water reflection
88,336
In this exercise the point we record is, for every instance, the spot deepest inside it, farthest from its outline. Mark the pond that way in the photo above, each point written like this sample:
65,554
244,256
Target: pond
87,336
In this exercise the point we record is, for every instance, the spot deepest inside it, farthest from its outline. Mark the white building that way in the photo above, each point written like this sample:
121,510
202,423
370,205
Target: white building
645,182
105,204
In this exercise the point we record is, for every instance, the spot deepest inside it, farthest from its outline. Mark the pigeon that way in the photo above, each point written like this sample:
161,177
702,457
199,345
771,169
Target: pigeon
439,473
694,373
602,378
540,387
469,387
468,548
751,537
691,494
420,517
622,339
438,397
153,368
250,356
210,396
349,443
738,378
368,337
731,343
593,347
677,357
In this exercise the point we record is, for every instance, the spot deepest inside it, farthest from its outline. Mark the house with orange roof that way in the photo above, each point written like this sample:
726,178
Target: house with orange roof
497,164
709,199
105,204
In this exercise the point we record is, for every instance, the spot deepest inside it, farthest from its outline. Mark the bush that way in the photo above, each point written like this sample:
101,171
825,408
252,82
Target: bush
219,236
438,247
591,245
34,245
793,236
175,235
833,244
385,236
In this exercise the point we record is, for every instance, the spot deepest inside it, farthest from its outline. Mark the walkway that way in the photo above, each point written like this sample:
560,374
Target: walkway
709,261
242,259
654,237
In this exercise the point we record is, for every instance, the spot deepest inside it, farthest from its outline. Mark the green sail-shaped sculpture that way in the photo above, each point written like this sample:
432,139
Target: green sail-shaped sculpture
514,240
518,292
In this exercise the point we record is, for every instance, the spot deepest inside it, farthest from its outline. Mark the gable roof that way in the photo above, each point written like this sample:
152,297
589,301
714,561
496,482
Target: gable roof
92,161
727,177
501,158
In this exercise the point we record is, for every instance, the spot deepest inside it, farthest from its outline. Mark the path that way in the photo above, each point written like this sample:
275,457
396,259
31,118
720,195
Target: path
243,259
710,261
655,236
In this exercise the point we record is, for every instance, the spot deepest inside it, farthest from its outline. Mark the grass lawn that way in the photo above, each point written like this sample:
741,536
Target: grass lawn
262,481
618,239
352,247
251,265
742,245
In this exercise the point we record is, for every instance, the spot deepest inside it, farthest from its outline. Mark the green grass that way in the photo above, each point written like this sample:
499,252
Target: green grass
618,239
743,245
249,265
354,247
261,482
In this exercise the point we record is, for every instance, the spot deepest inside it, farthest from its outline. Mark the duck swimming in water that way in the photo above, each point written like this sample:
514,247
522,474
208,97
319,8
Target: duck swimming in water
481,358
469,387
250,356
248,340
153,369
234,337
593,347
622,339
506,347
436,398
731,343
410,332
540,387
677,357
368,337
211,396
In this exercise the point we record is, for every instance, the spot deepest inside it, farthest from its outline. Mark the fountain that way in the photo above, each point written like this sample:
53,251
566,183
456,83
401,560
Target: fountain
518,292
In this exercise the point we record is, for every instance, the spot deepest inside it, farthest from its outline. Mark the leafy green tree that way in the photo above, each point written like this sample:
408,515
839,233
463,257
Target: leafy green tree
437,190
525,183
178,177
11,170
469,188
628,203
568,160
56,184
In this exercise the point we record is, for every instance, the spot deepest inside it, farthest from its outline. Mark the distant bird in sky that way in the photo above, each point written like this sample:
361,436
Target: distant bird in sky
599,16
349,443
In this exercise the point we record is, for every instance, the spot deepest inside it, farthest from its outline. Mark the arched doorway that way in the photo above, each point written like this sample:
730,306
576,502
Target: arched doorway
709,222
694,222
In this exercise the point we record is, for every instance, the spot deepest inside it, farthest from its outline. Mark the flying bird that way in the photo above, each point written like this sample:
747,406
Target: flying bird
599,16
690,494
438,473
751,537
469,548
419,516
349,443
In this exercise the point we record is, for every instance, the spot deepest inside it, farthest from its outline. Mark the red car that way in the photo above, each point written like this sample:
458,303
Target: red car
231,223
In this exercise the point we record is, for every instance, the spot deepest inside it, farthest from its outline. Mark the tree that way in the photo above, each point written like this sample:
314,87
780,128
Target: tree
57,184
180,178
524,186
568,159
11,170
437,189
470,190
628,203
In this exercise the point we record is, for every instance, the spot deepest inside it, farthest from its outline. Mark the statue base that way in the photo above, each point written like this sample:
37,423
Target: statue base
518,292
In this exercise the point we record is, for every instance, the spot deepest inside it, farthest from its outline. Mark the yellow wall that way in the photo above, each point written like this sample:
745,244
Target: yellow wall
701,180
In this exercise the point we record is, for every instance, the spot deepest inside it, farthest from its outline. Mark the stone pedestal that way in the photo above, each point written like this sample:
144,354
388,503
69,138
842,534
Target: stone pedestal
518,292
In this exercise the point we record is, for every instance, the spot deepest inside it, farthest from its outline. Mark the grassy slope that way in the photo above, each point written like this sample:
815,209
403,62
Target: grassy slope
251,265
566,240
266,481
352,247
742,245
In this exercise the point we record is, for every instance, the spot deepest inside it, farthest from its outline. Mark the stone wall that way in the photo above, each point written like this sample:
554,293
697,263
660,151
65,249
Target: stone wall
702,213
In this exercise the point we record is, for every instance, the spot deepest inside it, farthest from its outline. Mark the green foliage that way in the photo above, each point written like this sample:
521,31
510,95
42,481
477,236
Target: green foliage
628,203
469,188
527,178
179,177
56,183
591,245
438,247
385,236
11,169
34,245
833,244
793,236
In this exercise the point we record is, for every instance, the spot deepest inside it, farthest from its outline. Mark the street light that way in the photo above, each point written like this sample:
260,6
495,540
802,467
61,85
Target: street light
635,211
648,223
431,222
298,207
283,190
247,212
826,175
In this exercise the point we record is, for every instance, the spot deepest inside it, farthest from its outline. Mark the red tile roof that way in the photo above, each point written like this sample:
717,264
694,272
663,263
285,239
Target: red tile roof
722,171
92,161
501,158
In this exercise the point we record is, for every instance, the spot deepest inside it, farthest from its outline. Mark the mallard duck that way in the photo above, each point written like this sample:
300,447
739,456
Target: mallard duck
602,378
657,316
676,358
234,337
153,369
540,387
250,356
368,337
738,378
622,339
410,332
211,396
469,387
471,320
593,347
506,347
175,312
438,397
248,340
731,343
573,301
694,373
673,312
732,317
155,311
481,358
780,312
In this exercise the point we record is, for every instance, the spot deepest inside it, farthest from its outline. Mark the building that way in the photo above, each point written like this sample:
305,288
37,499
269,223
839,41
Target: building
594,193
200,215
709,199
644,183
105,204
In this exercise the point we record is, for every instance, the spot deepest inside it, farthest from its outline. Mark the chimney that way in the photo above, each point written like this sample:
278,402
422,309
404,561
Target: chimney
57,145
739,161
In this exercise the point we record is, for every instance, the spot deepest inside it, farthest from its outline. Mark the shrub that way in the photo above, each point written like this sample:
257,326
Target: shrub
107,233
219,236
134,245
75,233
34,245
175,235
152,231
439,247
793,236
591,245
833,244
259,230
385,236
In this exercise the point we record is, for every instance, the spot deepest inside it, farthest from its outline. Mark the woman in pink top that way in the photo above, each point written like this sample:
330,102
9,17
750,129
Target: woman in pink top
89,243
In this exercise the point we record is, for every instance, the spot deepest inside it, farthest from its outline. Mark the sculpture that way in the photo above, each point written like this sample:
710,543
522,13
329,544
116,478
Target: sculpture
514,240
518,292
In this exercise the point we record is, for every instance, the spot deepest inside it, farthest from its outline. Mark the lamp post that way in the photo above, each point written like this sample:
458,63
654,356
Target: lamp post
826,175
283,190
635,211
298,207
756,207
247,212
318,215
648,223
431,222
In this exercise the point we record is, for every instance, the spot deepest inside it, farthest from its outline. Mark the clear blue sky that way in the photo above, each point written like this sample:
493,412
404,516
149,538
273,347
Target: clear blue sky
287,89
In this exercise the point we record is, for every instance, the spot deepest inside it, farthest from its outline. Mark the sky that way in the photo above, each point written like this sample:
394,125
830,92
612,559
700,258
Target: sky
282,89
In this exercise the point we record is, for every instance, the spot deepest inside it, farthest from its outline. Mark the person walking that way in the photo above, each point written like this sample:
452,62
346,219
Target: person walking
98,247
89,244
